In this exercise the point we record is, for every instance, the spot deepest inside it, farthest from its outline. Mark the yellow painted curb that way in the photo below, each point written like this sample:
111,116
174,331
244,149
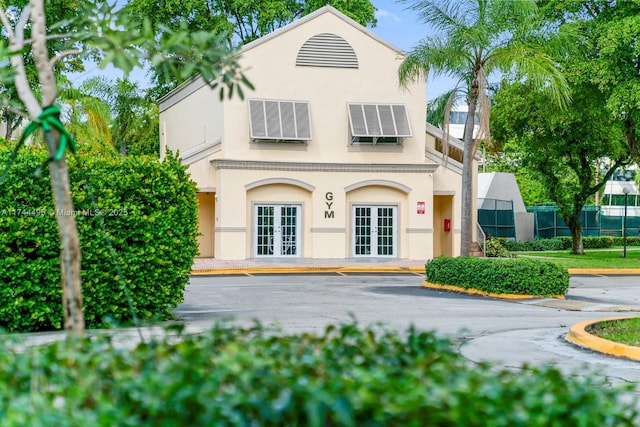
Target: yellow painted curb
378,269
459,289
604,271
579,336
280,270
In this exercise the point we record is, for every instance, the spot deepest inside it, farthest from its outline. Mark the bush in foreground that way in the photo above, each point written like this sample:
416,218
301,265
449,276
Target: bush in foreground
501,276
147,209
347,376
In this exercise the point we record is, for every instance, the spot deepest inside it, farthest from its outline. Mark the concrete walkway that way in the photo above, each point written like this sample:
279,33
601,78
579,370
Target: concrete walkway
304,265
214,266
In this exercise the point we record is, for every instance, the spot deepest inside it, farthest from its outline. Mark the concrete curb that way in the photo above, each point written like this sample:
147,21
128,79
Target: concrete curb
380,269
458,289
604,271
579,336
294,270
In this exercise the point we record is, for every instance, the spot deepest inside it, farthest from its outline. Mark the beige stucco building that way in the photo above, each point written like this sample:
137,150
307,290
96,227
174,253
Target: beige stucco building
327,158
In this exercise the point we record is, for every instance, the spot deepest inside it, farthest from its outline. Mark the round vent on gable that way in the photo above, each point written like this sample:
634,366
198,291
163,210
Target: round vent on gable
327,50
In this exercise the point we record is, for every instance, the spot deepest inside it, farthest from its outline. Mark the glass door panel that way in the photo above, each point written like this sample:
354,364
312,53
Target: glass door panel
374,231
265,231
288,230
277,230
362,232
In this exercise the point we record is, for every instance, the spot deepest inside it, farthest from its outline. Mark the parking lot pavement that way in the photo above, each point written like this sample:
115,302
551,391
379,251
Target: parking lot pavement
507,333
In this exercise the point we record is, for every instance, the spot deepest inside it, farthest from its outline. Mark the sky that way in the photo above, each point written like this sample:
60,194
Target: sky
402,28
396,24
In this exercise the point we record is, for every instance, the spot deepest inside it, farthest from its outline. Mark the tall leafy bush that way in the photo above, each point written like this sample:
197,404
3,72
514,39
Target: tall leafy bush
146,209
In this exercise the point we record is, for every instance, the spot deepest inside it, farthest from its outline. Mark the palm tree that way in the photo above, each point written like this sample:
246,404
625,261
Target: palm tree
88,119
127,111
473,40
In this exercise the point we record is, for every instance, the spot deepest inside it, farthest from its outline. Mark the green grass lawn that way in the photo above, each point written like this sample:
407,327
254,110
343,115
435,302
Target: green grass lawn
593,258
626,331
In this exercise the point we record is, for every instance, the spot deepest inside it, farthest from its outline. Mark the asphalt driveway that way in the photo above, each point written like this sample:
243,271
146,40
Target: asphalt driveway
507,332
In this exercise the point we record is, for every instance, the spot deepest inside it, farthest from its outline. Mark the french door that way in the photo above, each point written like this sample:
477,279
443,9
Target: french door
277,230
374,231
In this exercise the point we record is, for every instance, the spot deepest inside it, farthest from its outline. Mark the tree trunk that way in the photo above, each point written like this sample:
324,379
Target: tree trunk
12,121
65,215
59,175
70,247
577,246
8,133
467,180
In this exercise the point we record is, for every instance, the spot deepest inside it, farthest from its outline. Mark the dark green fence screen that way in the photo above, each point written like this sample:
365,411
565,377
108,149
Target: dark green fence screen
496,217
611,224
595,220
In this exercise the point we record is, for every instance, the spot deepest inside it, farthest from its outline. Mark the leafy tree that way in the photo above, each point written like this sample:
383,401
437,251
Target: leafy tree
101,31
144,135
59,11
563,147
475,38
531,189
611,58
242,21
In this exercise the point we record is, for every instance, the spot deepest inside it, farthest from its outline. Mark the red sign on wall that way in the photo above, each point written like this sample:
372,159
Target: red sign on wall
420,208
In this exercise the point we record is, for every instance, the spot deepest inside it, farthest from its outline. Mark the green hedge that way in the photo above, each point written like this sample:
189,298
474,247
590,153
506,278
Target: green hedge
149,211
346,376
631,241
564,243
590,242
554,244
511,276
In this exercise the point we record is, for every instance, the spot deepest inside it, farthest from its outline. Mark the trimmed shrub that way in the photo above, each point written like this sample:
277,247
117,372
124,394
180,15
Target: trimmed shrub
495,248
347,376
554,244
631,241
564,243
590,242
147,209
599,242
508,276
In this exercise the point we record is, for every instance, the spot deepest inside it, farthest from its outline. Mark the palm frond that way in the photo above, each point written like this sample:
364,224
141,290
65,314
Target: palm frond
443,16
433,55
437,106
71,94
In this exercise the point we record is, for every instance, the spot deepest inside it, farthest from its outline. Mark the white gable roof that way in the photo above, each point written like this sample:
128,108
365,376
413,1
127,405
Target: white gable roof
197,82
311,16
